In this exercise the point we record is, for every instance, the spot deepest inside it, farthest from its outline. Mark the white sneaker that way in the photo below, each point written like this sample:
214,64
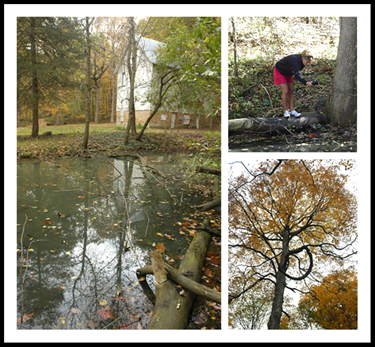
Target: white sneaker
294,113
286,114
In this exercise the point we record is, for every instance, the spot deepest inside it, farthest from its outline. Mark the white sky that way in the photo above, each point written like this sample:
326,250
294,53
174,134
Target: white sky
225,11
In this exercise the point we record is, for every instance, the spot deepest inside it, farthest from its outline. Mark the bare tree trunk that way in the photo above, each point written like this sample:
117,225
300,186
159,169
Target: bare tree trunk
87,93
113,106
277,307
97,101
132,67
341,106
235,48
34,83
57,116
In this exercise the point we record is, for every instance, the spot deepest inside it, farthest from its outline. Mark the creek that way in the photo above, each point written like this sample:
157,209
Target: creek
293,145
83,228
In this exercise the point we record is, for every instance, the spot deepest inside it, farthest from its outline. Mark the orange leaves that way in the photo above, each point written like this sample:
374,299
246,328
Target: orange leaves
105,314
25,318
335,305
160,247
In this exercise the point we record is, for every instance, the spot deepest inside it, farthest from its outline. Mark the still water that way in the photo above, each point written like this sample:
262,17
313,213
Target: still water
84,227
274,145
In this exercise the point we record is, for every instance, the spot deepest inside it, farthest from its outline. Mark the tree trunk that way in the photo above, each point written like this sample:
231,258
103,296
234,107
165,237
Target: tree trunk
277,306
87,91
34,83
341,106
132,67
172,309
113,106
97,101
273,125
57,116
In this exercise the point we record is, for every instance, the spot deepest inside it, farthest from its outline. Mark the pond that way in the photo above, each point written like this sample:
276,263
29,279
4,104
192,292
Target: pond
283,145
83,229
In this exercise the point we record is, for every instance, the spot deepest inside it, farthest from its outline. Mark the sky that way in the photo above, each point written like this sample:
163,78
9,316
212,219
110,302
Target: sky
225,11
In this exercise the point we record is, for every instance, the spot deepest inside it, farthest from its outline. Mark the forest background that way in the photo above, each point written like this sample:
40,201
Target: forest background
255,44
363,13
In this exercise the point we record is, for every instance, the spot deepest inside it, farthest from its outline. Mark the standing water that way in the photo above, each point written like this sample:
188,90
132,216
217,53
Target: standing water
84,227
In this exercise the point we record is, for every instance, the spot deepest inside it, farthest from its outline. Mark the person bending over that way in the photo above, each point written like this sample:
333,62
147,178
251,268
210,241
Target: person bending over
283,73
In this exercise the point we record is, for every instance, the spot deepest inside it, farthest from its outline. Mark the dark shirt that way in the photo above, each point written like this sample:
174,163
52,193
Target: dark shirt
291,66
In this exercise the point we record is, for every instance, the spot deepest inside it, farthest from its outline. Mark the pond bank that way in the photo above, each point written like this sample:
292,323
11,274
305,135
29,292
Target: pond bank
112,144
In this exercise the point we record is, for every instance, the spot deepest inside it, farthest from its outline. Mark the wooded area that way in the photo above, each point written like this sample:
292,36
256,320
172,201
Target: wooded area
65,67
257,43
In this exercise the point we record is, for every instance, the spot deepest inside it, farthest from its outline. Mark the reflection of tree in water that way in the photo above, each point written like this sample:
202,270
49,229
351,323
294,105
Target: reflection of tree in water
110,222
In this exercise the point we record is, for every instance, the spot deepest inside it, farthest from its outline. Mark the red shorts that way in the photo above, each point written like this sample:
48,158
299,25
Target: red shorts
279,78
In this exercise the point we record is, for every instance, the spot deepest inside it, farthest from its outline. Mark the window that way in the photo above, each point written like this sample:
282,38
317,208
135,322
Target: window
186,119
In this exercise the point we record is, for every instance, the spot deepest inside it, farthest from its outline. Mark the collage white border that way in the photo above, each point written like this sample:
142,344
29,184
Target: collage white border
362,12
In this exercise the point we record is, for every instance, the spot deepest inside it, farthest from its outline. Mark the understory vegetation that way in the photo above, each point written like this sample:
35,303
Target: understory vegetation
258,43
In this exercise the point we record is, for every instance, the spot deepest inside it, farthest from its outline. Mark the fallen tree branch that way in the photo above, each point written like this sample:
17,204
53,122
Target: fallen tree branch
209,170
210,205
185,282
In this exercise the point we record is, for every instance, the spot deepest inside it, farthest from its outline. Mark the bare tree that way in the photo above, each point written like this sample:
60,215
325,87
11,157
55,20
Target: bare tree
88,79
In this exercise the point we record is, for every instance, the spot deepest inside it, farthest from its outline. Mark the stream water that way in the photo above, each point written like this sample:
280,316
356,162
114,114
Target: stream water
277,145
84,227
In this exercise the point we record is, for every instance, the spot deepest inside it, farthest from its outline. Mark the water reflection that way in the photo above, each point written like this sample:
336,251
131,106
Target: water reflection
84,227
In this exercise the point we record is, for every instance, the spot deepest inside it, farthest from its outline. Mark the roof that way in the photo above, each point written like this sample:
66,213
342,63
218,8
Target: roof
148,46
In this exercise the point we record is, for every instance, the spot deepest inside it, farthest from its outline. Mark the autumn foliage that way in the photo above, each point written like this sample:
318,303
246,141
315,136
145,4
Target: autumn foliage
286,218
334,303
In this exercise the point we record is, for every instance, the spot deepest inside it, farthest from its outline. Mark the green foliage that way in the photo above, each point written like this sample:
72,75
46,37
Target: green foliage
192,54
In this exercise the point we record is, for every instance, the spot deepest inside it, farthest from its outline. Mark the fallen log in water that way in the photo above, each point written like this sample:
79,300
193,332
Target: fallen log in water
172,306
273,125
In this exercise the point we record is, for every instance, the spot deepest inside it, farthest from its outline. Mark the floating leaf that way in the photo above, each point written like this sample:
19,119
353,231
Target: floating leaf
47,221
75,310
160,247
74,277
80,197
45,210
103,303
105,314
31,249
68,253
25,317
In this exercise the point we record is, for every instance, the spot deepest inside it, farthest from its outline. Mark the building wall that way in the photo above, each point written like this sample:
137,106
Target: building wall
170,120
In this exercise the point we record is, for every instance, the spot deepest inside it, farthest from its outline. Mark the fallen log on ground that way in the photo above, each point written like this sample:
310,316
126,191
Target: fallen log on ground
273,125
185,282
210,170
214,203
209,205
172,306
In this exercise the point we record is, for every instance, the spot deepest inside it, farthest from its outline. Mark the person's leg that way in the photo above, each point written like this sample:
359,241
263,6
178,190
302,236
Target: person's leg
290,96
292,111
284,96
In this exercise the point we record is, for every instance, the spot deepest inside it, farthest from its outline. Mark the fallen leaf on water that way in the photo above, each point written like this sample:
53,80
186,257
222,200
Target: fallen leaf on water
25,317
208,272
160,247
80,197
47,221
74,277
75,310
103,303
68,253
105,314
